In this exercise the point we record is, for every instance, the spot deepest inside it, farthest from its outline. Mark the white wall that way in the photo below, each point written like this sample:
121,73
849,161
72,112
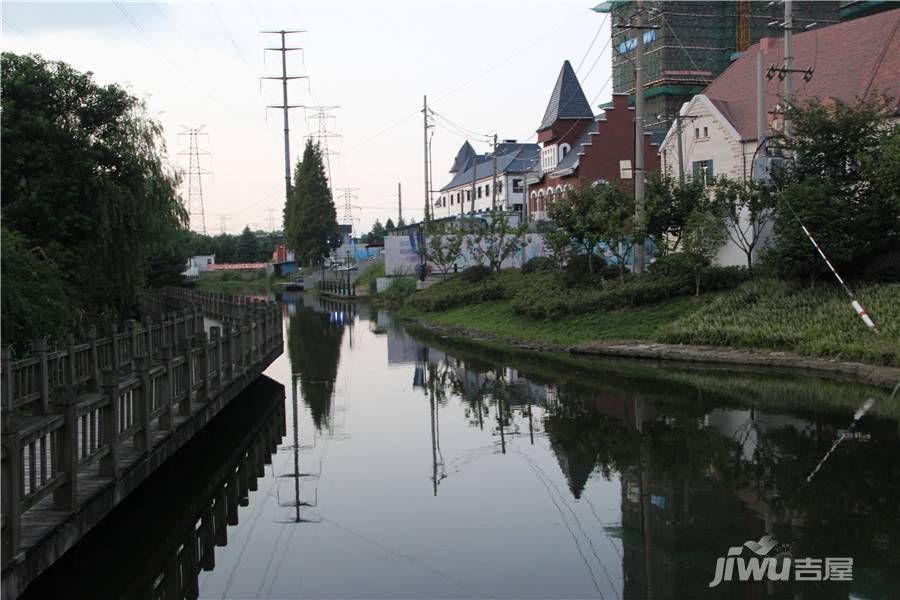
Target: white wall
722,144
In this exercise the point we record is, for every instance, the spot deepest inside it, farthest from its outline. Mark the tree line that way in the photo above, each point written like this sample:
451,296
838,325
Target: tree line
89,205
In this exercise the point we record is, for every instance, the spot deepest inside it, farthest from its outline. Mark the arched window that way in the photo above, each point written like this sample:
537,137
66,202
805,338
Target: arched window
563,150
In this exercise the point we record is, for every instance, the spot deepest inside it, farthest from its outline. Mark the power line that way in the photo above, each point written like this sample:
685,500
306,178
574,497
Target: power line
464,84
593,41
176,65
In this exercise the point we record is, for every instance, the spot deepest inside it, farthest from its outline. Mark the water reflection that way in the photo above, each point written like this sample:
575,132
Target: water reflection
315,365
699,474
156,543
474,473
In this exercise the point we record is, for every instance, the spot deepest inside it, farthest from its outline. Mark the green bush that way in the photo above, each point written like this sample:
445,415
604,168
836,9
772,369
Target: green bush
538,263
714,279
456,291
553,300
398,293
681,264
476,273
578,267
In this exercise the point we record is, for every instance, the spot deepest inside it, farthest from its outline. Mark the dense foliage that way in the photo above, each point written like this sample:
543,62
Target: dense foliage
87,187
843,186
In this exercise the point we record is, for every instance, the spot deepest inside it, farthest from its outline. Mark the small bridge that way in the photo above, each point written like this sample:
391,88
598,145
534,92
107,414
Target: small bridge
84,425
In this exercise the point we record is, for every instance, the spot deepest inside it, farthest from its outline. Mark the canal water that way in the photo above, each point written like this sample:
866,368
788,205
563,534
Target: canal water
382,462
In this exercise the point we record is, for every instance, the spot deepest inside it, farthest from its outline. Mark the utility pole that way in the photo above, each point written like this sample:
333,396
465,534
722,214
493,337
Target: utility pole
494,182
284,106
194,172
399,203
639,257
427,155
474,177
760,96
222,220
271,212
679,129
788,65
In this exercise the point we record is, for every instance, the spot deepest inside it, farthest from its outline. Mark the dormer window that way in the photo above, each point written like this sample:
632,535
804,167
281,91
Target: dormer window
563,150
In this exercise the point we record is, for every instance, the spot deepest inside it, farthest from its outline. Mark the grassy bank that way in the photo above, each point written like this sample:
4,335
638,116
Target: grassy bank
500,318
763,314
235,283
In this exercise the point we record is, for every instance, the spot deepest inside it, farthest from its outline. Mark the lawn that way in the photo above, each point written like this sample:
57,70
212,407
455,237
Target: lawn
498,318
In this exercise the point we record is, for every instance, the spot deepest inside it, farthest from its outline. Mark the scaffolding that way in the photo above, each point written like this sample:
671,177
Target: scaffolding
692,42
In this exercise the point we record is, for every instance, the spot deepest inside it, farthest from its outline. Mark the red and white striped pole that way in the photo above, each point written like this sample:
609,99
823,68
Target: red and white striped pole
853,301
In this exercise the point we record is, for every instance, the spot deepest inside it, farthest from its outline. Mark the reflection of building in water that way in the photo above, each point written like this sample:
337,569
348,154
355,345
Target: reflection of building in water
182,514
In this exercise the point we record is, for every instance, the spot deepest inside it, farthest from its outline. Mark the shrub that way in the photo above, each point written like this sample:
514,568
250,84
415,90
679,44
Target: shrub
681,264
456,291
398,293
538,263
578,267
476,273
552,300
724,278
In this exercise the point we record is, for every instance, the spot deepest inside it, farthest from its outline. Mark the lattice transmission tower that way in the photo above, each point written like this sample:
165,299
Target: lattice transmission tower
322,134
194,177
349,198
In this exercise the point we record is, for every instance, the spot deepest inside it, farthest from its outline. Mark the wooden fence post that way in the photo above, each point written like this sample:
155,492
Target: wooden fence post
201,342
215,332
65,496
39,348
109,463
95,359
114,343
167,419
145,400
184,405
11,471
148,328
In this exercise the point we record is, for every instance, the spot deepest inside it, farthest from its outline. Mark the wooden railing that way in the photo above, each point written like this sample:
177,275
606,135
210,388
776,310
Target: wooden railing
338,287
99,404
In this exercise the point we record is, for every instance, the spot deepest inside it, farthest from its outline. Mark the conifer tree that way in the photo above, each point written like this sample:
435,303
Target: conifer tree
310,218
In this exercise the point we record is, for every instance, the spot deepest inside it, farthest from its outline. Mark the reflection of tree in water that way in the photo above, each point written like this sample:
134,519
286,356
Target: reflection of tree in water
314,348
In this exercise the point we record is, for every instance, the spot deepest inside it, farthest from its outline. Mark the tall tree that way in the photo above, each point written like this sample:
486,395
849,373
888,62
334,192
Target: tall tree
746,207
311,227
85,179
247,247
577,215
389,224
614,215
842,185
669,205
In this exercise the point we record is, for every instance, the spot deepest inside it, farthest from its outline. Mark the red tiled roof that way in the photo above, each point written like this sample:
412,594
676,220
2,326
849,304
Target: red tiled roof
237,266
852,60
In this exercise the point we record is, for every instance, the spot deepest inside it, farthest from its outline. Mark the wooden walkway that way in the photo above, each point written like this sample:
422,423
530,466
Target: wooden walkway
83,426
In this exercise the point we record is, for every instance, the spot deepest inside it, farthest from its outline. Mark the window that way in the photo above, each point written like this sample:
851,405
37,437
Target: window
478,192
499,187
696,133
705,132
703,170
517,186
487,190
563,150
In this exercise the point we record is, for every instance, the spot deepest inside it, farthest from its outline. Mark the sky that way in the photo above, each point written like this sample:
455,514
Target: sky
486,67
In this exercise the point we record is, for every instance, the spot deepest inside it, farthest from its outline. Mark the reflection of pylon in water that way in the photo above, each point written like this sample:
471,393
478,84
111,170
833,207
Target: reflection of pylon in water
296,475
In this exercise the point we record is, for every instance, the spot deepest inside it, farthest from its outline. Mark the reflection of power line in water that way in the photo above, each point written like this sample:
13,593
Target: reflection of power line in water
542,475
409,558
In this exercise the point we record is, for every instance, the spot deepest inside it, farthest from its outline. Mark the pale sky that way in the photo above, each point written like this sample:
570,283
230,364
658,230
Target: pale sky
486,67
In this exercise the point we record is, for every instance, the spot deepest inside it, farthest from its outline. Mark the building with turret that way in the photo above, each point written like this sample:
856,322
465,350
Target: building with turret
579,149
